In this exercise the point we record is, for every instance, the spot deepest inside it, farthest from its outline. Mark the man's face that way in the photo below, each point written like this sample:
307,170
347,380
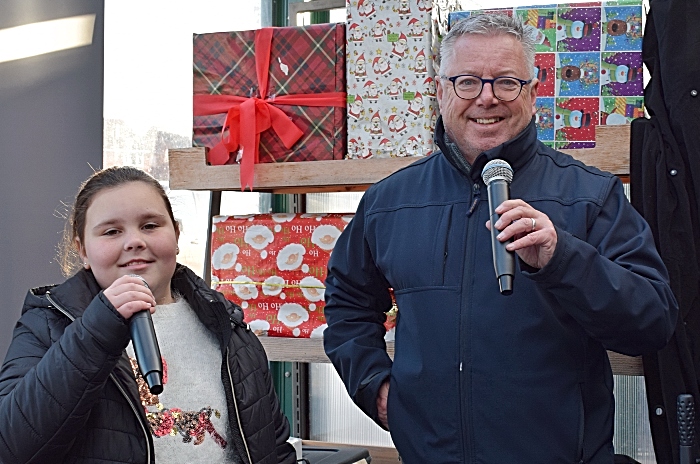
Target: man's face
485,122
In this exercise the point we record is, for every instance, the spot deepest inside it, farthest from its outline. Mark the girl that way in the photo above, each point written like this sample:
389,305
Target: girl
70,391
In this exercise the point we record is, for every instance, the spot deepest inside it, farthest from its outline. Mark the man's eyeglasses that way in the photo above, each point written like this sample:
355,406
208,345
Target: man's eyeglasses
468,87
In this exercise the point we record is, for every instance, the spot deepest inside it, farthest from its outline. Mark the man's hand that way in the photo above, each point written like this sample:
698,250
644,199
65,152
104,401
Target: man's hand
381,404
534,236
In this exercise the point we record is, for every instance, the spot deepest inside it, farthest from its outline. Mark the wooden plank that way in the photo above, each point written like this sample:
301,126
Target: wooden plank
189,170
379,454
310,350
626,365
612,150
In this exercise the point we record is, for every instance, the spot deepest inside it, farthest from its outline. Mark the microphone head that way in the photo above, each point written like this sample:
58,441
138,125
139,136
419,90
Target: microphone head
497,169
142,280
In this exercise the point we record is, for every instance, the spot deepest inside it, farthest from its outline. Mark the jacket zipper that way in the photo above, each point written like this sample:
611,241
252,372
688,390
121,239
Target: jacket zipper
235,405
581,426
116,383
476,197
464,324
447,245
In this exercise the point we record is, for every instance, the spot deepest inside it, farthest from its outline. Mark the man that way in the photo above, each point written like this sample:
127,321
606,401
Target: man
479,376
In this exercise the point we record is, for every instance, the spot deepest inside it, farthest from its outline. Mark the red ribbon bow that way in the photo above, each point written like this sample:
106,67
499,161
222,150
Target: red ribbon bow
248,117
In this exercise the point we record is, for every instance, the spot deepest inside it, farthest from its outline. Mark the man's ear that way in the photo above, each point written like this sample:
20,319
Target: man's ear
439,91
534,85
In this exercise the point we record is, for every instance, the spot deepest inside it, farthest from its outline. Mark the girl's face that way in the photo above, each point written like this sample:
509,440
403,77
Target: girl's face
128,231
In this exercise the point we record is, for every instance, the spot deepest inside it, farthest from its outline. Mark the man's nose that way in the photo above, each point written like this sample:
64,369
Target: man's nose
487,97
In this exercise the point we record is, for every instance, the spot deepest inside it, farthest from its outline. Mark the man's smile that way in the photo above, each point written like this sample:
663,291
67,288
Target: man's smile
486,121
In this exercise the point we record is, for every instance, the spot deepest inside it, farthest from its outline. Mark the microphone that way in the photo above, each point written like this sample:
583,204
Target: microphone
145,343
686,427
497,175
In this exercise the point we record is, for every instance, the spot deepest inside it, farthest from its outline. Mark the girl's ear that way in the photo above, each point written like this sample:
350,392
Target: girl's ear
81,252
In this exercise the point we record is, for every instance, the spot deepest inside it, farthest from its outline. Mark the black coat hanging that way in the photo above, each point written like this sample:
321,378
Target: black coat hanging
665,182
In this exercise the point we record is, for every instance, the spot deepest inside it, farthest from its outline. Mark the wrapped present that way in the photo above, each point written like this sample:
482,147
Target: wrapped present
588,63
274,266
270,95
392,106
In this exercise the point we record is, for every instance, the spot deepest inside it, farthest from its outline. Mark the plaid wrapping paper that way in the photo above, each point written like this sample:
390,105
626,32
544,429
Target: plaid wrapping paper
274,266
304,61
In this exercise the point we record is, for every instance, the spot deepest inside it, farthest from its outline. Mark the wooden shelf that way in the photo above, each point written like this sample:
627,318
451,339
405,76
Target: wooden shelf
379,454
189,170
310,350
611,152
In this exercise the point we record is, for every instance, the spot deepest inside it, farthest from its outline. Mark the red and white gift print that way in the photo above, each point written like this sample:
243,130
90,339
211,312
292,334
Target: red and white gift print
274,266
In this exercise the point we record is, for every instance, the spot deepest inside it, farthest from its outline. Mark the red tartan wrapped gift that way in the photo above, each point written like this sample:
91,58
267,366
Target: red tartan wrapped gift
274,267
273,94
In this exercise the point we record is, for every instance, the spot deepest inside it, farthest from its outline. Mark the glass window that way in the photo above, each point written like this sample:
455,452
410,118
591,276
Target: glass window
148,97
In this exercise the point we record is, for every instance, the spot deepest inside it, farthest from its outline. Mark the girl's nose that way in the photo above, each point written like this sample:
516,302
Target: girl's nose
133,241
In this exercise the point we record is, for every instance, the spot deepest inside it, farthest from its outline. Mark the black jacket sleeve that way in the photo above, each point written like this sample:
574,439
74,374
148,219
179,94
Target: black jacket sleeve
50,381
614,284
357,294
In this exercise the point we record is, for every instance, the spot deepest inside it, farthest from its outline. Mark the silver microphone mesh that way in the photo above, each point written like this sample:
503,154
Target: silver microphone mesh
142,280
497,170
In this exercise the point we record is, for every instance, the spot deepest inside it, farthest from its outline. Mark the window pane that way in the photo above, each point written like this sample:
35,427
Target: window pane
148,94
333,417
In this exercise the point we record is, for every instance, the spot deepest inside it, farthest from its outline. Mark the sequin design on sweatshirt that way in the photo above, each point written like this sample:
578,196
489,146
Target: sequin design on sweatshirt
192,426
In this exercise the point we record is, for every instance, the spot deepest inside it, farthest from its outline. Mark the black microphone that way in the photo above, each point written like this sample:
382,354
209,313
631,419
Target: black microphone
145,343
497,175
686,428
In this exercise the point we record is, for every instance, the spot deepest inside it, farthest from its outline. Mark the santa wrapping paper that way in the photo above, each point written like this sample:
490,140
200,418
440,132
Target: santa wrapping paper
392,107
274,266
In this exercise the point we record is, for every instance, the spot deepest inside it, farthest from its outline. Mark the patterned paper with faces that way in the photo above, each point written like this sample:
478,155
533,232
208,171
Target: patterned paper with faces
274,267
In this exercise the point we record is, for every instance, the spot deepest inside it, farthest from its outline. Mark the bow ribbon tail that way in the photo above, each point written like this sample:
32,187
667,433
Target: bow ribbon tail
263,50
285,129
249,138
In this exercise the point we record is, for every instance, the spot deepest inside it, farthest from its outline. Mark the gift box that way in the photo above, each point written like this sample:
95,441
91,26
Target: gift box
274,266
270,95
588,62
392,106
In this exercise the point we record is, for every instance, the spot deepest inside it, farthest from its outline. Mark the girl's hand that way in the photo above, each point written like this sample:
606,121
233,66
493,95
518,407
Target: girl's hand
129,295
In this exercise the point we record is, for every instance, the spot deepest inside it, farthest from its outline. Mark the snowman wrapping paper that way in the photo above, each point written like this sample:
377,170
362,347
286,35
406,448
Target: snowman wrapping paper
392,106
588,62
274,267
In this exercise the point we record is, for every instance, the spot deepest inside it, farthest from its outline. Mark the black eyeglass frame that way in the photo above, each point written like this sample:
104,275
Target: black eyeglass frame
453,79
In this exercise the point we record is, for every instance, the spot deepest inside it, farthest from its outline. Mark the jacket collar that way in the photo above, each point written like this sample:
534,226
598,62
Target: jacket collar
517,151
74,295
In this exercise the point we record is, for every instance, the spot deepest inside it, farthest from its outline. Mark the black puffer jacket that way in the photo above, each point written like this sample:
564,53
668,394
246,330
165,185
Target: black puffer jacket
68,394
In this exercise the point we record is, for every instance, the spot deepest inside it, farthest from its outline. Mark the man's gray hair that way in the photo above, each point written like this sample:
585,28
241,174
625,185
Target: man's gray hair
489,24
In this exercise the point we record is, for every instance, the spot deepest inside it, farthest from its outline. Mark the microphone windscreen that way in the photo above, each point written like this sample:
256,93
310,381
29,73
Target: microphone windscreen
497,169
